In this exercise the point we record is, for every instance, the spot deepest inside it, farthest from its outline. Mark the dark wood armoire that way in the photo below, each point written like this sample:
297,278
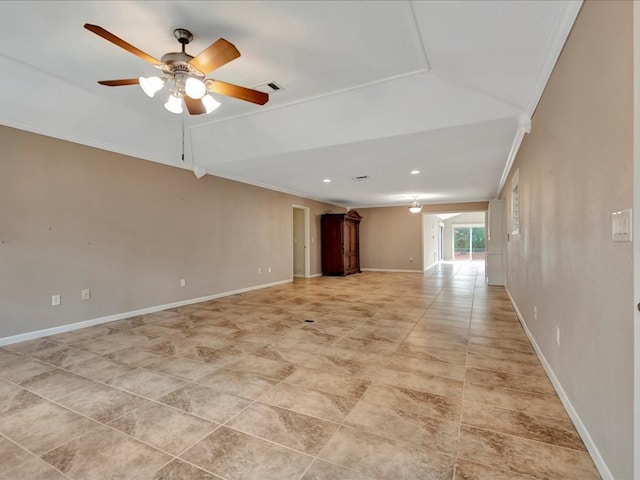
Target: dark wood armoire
341,243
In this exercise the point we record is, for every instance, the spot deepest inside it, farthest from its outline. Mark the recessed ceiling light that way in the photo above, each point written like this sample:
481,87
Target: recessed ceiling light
415,172
327,180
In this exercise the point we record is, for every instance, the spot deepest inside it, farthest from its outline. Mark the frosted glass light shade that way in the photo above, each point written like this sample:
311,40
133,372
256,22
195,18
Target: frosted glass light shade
210,103
174,104
195,88
150,85
415,207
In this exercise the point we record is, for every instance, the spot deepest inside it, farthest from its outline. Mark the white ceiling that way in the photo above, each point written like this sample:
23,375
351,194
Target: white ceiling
375,88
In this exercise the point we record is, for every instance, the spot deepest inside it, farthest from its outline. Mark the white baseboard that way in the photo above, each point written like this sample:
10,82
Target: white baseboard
297,275
315,275
22,337
573,414
393,270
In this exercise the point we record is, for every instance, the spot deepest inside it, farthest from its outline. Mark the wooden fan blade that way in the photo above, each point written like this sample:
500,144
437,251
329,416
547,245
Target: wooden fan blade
119,83
195,107
236,91
121,43
214,56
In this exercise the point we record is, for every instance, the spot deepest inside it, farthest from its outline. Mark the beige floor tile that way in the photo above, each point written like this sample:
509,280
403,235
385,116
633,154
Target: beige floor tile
233,454
34,469
344,385
525,383
106,454
180,367
14,399
315,403
422,382
397,424
263,366
102,402
429,367
55,384
243,384
134,356
63,356
205,402
30,346
166,428
380,457
44,426
11,455
527,402
412,401
23,368
321,470
457,357
146,383
178,470
466,470
524,457
290,429
555,431
100,368
367,345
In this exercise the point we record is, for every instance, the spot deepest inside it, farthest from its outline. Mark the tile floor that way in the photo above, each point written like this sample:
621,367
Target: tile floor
400,376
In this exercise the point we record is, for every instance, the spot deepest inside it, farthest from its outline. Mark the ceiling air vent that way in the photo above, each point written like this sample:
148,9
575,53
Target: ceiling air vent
269,87
360,178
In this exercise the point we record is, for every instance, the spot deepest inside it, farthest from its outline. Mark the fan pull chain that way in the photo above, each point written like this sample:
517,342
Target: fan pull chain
182,138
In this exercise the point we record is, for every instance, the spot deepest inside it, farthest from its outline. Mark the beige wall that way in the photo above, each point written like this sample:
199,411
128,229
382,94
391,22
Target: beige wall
74,217
464,218
575,169
391,236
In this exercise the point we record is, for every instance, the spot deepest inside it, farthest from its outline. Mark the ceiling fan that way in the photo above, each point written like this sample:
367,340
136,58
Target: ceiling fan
185,74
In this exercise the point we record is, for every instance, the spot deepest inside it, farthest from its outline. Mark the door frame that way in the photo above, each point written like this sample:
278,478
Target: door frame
307,235
471,226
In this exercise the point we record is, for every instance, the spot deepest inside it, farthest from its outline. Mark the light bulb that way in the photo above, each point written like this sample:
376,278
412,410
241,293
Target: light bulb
415,207
195,88
210,103
150,85
174,104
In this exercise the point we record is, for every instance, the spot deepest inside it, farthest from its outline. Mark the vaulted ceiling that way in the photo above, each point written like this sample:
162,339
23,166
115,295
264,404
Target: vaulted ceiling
369,88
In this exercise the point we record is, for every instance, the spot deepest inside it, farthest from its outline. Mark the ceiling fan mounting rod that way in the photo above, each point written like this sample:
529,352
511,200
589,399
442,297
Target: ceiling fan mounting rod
183,35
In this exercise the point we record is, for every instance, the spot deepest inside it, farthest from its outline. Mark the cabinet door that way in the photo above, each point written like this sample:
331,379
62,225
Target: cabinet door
350,246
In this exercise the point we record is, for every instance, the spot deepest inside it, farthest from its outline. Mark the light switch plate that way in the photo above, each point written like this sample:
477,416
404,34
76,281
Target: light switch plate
621,225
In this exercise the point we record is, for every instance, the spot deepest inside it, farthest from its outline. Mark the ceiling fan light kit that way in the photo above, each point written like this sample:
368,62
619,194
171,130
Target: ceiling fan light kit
185,74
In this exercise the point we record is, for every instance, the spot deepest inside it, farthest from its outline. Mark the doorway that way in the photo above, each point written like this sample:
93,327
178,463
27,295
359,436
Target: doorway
468,242
300,242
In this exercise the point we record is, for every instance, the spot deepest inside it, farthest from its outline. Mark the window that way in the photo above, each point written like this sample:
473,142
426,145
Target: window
515,203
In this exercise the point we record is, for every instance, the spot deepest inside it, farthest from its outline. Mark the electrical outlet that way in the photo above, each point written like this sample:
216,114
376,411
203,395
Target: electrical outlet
535,312
55,300
183,282
269,269
259,270
85,294
557,335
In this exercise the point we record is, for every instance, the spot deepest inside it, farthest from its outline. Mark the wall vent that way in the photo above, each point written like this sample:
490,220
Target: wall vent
360,178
